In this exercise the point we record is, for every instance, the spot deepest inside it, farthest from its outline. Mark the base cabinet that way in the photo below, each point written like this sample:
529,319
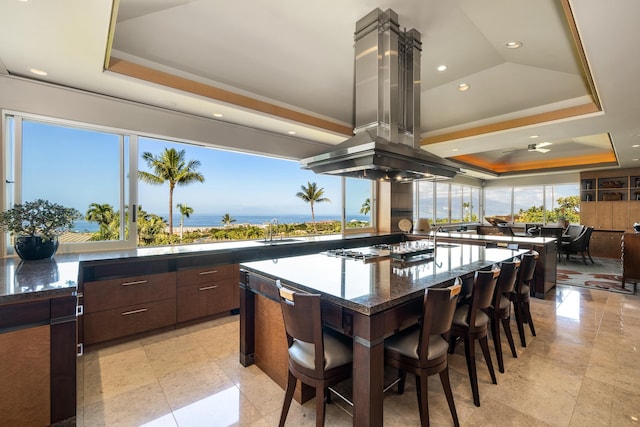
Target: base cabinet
38,362
120,307
132,304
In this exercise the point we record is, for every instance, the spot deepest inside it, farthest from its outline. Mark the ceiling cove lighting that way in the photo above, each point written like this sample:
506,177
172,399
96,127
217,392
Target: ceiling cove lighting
463,87
441,68
513,45
38,72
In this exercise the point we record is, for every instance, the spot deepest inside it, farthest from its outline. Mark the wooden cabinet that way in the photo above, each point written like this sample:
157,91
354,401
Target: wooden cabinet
605,243
120,307
206,291
631,259
38,362
118,304
610,199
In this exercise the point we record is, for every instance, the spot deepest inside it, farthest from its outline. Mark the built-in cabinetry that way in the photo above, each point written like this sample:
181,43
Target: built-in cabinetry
129,298
205,291
38,362
610,203
126,306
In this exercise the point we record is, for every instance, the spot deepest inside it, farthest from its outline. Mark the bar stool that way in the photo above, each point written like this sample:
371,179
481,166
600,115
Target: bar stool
422,349
521,295
470,323
316,357
500,309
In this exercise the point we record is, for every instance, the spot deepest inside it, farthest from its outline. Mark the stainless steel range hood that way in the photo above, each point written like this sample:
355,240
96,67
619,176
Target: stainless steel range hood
386,144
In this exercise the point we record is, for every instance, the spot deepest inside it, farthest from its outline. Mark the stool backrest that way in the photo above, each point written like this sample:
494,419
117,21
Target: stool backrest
303,321
507,279
483,288
439,306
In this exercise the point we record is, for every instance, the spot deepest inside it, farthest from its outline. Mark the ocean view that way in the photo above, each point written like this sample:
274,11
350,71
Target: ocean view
207,221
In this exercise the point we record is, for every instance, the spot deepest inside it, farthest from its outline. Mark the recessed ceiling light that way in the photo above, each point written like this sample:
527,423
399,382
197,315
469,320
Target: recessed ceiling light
635,145
291,132
513,45
534,136
462,87
635,160
37,71
218,115
455,149
24,1
441,67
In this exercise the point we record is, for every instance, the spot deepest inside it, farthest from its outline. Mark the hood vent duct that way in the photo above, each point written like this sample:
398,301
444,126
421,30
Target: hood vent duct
386,144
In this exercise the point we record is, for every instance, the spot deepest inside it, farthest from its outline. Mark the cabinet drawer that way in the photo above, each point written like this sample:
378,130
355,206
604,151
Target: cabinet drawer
121,322
205,275
202,300
114,293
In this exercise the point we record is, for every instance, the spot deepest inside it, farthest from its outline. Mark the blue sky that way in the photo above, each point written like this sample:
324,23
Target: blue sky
76,167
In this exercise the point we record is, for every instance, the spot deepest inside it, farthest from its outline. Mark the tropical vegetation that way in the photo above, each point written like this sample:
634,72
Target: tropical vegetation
312,194
185,211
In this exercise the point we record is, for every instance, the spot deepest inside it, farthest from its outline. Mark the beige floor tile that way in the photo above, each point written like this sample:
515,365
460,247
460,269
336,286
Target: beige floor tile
109,374
142,406
580,370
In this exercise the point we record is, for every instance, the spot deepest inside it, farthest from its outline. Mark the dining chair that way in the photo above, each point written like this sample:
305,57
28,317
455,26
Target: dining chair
470,323
500,309
422,349
316,357
579,245
521,295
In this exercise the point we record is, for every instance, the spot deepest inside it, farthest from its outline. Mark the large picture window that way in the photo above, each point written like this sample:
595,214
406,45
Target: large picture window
447,203
182,192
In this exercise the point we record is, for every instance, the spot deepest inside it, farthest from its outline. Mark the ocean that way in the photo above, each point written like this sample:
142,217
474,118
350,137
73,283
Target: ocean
206,221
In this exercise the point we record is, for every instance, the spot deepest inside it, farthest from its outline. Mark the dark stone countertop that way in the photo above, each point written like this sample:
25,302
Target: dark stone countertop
43,279
59,276
373,286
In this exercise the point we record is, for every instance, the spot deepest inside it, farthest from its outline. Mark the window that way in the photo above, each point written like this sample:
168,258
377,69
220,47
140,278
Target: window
359,200
75,167
447,203
533,204
240,196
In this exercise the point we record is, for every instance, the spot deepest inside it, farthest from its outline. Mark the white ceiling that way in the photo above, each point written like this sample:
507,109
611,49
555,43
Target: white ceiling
299,54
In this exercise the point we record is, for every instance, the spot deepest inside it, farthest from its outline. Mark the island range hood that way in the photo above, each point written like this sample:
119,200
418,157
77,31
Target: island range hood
386,144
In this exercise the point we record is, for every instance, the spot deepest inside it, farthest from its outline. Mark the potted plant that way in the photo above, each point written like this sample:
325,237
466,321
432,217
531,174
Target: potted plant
36,226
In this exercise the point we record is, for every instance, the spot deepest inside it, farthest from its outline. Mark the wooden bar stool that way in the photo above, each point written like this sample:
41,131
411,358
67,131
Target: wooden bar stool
316,357
500,309
422,349
471,323
521,295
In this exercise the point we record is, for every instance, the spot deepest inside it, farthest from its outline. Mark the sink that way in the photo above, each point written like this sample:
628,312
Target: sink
277,241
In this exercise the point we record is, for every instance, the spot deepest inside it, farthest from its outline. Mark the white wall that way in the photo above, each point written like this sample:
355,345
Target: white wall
26,96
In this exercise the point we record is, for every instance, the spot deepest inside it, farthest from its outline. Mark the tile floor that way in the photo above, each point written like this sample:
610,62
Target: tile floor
582,369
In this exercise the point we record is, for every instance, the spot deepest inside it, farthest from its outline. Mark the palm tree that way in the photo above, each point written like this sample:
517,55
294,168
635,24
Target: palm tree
312,195
104,215
227,220
170,166
185,211
366,207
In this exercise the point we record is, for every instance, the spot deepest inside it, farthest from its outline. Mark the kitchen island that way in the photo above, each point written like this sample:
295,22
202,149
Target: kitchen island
366,299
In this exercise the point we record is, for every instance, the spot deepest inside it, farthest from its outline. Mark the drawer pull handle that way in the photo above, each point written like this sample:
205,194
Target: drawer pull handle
137,282
140,310
202,273
206,288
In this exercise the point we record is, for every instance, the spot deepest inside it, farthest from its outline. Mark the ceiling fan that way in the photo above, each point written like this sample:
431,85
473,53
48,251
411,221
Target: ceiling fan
534,147
539,147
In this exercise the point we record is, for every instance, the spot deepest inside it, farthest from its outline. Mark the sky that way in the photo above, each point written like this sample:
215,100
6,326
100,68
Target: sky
76,167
